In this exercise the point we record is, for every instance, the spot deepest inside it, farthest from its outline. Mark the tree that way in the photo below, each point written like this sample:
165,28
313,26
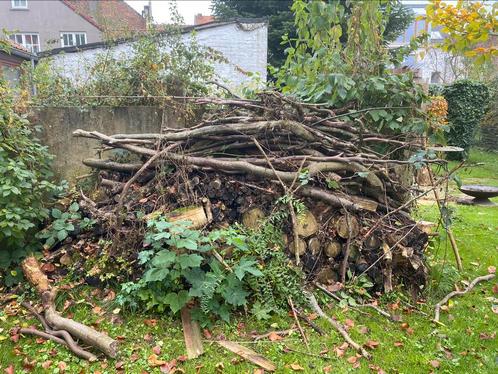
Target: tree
281,19
470,28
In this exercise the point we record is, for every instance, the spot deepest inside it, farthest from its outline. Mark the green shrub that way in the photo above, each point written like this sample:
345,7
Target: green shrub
489,125
25,185
467,104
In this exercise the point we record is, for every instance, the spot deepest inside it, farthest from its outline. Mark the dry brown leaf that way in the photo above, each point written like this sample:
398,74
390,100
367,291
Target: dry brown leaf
337,286
372,344
9,369
258,371
154,361
134,357
491,269
111,295
150,322
296,367
486,336
352,359
182,358
327,369
148,337
494,309
157,350
495,288
435,364
119,365
48,267
274,336
98,310
207,334
376,368
398,344
46,364
349,323
62,366
363,330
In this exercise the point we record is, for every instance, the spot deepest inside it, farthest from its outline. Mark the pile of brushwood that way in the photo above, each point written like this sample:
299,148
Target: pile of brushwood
345,188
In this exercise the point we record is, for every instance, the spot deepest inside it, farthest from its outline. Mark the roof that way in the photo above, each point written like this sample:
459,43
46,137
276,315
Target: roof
113,16
19,50
185,29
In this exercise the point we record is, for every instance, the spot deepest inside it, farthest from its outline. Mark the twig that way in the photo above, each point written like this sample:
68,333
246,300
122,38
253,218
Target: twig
323,357
282,332
312,324
314,305
301,331
472,284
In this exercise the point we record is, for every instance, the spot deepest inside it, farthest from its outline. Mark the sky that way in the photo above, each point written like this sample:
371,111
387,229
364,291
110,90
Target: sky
160,9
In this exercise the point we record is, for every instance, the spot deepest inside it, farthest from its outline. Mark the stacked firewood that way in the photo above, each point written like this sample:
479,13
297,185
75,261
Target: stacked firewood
237,162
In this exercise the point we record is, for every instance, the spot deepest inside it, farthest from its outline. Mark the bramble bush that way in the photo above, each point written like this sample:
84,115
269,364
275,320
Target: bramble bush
26,185
467,104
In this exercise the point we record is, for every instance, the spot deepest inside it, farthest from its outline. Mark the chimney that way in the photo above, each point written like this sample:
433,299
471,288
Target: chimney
147,14
201,20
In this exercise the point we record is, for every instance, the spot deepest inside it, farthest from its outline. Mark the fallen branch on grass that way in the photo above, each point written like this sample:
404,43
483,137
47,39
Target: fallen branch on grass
314,305
58,326
472,284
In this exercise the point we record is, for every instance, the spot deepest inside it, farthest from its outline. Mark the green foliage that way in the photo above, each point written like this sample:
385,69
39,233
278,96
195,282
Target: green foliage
281,20
26,185
179,267
467,104
158,66
489,124
63,224
339,58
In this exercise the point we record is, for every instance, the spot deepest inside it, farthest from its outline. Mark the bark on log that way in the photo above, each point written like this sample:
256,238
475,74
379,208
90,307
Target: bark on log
32,271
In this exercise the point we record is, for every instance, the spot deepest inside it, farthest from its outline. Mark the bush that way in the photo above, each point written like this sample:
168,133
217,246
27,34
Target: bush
489,125
467,103
25,185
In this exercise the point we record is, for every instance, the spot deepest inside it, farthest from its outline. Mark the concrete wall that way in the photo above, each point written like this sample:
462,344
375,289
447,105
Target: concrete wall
58,125
48,19
244,46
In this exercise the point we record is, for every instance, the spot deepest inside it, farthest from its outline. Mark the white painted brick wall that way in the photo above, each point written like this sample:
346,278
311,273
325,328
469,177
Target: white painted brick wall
244,46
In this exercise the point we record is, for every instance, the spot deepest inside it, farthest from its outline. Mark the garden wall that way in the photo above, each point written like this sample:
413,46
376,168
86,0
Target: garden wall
58,125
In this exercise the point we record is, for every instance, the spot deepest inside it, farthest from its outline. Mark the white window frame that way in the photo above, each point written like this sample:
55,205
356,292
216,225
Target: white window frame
16,5
73,37
28,46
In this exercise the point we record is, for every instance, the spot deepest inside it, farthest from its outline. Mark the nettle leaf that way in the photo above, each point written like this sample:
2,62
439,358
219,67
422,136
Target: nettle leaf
177,301
233,291
156,274
164,258
189,261
145,256
247,265
184,243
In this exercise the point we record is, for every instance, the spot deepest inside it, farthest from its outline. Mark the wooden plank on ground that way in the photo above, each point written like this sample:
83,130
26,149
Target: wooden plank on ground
248,354
192,335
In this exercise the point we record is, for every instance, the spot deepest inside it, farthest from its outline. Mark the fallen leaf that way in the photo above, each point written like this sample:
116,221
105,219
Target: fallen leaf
258,371
150,322
134,357
372,344
363,330
495,288
486,336
119,365
337,286
207,334
348,323
274,336
398,344
352,359
327,369
168,367
28,365
148,338
494,309
156,350
435,364
48,267
98,310
9,370
182,358
40,340
62,366
153,361
376,368
491,269
296,367
46,364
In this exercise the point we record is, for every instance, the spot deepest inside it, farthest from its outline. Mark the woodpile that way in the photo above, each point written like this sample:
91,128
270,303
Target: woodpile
246,158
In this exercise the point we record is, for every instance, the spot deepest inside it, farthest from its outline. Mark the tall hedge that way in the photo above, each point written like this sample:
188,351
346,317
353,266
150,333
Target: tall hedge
489,125
467,104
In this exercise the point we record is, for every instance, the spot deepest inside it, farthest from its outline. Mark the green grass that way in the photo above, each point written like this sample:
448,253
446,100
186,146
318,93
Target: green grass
457,346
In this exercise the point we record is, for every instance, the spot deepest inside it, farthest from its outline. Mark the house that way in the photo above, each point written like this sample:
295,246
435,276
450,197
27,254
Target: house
45,24
242,42
12,55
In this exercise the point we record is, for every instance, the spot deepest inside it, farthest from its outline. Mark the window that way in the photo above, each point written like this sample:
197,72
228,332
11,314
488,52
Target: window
29,41
69,39
19,4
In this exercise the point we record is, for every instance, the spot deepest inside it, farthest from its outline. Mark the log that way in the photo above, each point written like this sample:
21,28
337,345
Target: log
327,276
306,224
314,245
333,249
32,271
253,218
248,354
300,247
192,334
347,226
194,214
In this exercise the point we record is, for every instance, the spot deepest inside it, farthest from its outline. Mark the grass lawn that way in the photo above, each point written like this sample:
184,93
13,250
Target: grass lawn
466,343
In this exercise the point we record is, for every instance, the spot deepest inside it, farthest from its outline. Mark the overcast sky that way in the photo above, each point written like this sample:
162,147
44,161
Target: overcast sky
160,9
